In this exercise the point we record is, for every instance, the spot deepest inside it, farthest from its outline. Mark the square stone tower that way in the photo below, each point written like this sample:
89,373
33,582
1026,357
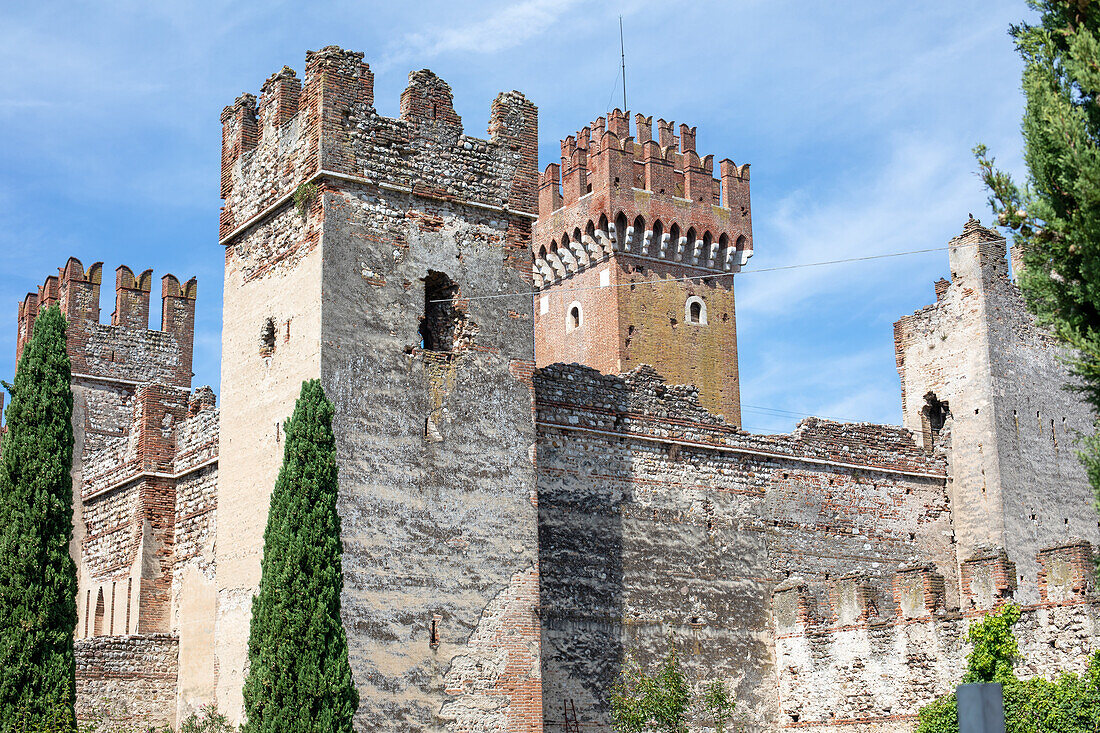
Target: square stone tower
634,252
351,240
985,384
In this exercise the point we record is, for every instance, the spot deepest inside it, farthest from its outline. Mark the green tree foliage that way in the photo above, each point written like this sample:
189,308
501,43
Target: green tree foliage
37,575
661,701
994,648
1055,215
1071,704
719,704
299,678
207,720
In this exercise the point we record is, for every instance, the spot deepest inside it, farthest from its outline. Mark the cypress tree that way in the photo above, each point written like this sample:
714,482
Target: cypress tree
299,678
37,575
1055,215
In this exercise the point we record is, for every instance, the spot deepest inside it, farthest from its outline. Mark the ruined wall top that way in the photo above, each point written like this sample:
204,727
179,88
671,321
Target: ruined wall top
126,349
641,196
327,128
641,403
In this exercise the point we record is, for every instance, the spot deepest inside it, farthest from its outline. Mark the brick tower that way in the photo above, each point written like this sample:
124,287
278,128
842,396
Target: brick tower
621,212
350,238
144,471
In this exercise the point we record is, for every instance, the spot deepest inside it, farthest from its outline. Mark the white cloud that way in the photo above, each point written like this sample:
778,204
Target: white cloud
503,29
919,196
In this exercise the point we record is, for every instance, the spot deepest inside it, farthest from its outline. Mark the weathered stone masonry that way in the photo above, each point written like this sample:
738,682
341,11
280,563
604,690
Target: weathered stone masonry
139,435
660,521
434,420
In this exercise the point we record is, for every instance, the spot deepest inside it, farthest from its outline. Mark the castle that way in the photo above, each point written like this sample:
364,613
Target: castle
535,486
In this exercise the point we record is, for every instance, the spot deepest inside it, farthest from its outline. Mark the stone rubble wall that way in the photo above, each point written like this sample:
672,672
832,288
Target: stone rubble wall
127,683
658,520
860,669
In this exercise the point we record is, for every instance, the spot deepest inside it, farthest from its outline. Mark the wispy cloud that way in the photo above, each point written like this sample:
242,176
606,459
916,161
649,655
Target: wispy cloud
907,204
498,31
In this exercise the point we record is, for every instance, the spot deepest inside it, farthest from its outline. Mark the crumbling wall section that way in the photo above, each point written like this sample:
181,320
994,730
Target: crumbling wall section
848,665
659,521
1007,425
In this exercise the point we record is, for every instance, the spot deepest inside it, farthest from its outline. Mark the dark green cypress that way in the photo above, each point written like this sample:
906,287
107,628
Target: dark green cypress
37,575
299,678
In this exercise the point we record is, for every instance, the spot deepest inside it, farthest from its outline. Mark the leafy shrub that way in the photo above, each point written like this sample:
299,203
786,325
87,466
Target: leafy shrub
661,701
1069,705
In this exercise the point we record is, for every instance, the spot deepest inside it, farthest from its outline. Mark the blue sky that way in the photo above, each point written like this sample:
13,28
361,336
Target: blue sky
857,117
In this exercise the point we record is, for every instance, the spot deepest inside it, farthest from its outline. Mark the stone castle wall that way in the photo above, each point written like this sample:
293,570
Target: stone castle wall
855,666
126,682
512,534
1010,434
660,521
138,433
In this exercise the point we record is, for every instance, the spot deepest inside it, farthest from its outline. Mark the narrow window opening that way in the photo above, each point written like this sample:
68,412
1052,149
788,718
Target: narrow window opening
267,338
695,311
573,317
97,626
443,327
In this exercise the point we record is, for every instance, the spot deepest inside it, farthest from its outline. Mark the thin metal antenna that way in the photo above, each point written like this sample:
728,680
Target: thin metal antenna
622,53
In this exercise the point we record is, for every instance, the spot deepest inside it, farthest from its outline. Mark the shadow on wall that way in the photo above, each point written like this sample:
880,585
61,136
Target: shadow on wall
581,585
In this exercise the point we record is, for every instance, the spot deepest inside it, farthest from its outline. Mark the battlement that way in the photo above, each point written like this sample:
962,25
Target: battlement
126,349
646,197
917,590
325,128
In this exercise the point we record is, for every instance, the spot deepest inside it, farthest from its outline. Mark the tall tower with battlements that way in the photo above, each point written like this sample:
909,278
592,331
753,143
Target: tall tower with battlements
350,240
144,477
633,257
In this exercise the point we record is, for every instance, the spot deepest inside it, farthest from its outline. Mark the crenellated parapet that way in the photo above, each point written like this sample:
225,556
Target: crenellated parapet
987,578
324,128
863,661
917,590
1067,572
127,348
650,198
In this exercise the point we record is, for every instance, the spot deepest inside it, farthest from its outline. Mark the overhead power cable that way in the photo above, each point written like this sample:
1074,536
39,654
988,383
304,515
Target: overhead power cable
717,275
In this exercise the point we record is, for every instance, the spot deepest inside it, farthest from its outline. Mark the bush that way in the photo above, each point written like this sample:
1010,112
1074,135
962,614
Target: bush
661,701
1071,704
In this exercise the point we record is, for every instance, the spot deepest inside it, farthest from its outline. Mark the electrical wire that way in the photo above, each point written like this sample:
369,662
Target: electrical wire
715,276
